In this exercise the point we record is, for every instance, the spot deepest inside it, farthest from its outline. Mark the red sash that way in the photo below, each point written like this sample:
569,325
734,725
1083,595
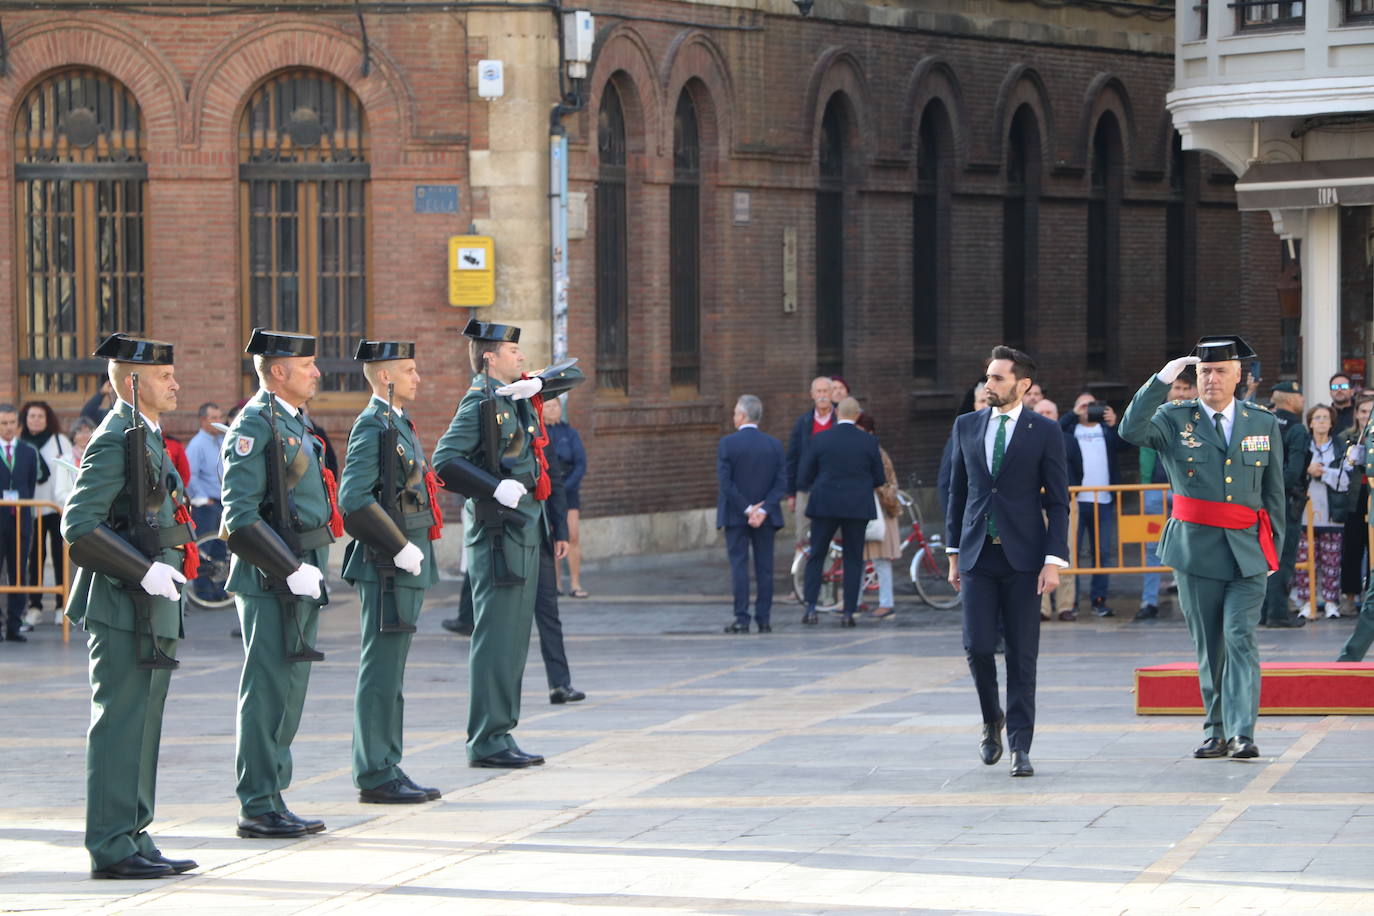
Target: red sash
1228,515
190,560
544,488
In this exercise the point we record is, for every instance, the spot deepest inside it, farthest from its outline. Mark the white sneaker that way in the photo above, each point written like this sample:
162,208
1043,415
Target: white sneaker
26,628
32,616
1306,612
57,616
1332,609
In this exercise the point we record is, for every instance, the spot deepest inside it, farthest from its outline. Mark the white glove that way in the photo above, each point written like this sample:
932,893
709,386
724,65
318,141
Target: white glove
161,580
1174,368
410,559
508,493
521,389
305,581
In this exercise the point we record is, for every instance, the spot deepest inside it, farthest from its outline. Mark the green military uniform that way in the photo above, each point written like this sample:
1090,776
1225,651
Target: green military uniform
1358,645
378,710
126,699
271,688
503,612
1221,572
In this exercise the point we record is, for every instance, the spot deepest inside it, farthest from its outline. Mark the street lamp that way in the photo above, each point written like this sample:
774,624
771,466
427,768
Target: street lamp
804,6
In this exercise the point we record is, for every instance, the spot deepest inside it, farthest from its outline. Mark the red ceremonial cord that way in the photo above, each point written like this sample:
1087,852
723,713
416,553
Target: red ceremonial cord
432,488
190,560
544,488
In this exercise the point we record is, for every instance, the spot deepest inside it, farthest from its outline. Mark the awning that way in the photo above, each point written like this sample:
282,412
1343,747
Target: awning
1304,185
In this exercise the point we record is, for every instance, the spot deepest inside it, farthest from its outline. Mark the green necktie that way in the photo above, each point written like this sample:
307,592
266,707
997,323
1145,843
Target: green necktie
999,451
1221,433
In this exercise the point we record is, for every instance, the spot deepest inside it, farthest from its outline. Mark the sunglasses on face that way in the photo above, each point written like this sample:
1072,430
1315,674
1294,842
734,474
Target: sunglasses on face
1341,386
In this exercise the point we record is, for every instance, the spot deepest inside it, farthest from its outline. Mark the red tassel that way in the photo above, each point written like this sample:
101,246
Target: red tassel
544,487
432,488
190,560
331,488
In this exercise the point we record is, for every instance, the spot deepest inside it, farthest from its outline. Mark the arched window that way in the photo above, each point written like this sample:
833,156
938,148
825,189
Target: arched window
1020,229
830,242
930,238
1180,242
1104,246
80,179
612,258
303,176
684,229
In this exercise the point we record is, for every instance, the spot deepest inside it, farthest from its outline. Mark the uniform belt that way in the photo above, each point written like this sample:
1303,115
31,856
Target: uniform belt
314,538
175,536
1229,516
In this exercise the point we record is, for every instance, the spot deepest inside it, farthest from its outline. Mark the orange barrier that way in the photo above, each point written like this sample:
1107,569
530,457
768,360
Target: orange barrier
58,588
1133,529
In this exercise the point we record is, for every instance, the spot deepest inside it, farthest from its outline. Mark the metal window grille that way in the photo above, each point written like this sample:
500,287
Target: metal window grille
1020,235
612,254
684,219
1104,216
79,174
830,244
1259,14
303,176
926,233
1180,260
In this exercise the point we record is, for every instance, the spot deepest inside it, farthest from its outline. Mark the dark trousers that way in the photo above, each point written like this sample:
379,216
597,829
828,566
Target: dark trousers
997,596
1276,589
1096,540
14,560
739,541
546,619
465,612
49,535
1354,542
823,529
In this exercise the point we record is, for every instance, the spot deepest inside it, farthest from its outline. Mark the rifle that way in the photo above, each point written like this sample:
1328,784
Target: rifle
143,531
390,500
281,517
488,512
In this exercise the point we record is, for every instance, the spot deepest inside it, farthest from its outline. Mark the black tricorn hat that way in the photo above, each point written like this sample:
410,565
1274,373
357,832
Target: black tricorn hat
375,351
1221,347
485,330
125,349
279,343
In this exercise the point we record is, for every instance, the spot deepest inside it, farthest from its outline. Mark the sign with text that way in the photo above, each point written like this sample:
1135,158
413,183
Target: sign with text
436,198
471,271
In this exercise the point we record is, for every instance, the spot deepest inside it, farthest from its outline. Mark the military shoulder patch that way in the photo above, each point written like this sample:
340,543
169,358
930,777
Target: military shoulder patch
1255,406
243,445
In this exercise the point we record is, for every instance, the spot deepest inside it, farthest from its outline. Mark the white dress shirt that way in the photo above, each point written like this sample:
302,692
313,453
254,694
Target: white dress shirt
1228,419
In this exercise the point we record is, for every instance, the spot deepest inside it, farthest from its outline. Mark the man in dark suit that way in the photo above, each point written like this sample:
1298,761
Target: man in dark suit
818,419
19,474
1009,468
842,467
753,477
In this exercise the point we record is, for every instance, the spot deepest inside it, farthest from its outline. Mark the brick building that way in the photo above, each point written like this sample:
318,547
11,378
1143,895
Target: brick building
878,191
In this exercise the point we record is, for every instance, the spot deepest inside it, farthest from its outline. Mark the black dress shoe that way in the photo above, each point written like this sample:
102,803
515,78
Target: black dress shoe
16,637
455,625
176,865
990,748
1286,623
536,760
1148,612
1212,747
272,825
136,866
430,793
809,618
504,760
1020,764
765,628
568,694
848,621
737,628
1242,747
311,824
395,792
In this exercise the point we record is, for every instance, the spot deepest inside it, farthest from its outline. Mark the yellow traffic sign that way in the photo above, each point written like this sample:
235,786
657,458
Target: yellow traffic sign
471,270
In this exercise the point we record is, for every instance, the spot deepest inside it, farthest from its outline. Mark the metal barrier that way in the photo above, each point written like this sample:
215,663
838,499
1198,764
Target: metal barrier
21,569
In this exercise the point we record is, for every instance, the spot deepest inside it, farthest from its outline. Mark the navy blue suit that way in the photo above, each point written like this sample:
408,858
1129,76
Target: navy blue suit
999,576
841,468
750,468
15,545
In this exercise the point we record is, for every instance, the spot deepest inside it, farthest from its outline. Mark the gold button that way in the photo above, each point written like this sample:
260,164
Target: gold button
1259,464
1228,480
1228,460
1228,497
531,429
1190,459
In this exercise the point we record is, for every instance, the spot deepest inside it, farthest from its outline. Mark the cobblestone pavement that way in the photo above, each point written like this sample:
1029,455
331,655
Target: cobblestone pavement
813,770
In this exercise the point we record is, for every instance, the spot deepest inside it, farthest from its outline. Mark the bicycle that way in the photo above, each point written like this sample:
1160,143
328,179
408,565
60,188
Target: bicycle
831,595
206,590
929,566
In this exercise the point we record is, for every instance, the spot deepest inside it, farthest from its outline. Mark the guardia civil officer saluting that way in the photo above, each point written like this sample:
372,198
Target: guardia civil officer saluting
388,499
492,453
1224,459
129,529
280,515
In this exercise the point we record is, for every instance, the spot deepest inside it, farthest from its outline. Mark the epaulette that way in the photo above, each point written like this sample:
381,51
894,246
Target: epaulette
1253,405
1181,402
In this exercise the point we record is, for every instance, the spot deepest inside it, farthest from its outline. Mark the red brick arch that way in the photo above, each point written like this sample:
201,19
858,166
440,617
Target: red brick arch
933,78
837,70
1023,86
624,57
128,56
221,88
693,58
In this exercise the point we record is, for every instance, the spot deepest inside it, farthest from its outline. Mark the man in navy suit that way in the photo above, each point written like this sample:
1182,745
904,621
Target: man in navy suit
841,468
753,478
18,476
1008,468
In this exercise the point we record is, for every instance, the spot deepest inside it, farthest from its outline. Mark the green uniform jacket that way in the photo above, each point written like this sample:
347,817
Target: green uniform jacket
101,495
1247,473
245,482
361,484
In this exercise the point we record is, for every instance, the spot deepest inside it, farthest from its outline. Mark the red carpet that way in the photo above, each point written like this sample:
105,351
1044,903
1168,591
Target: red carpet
1286,689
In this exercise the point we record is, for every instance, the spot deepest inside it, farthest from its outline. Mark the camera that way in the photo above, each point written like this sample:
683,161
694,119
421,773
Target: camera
1097,411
